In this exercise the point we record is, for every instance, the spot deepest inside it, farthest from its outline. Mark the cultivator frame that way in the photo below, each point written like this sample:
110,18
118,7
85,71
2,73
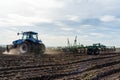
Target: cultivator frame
91,49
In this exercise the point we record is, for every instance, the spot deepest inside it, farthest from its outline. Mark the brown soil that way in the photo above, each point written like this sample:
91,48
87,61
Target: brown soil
60,67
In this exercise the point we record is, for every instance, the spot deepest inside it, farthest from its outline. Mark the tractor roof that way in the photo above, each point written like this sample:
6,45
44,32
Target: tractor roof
30,32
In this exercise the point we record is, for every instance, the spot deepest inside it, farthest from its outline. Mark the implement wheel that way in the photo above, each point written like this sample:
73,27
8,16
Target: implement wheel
96,51
89,51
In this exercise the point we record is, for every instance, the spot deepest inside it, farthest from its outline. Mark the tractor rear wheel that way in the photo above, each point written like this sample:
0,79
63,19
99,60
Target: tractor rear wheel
24,47
41,48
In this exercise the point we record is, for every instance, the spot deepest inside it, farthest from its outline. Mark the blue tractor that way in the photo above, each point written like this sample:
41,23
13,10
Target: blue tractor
29,43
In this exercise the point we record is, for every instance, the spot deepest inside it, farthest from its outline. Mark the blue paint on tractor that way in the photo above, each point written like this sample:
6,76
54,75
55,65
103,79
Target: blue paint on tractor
28,36
29,43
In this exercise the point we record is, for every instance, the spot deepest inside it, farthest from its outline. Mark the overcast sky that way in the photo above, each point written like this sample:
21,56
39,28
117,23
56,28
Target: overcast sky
93,21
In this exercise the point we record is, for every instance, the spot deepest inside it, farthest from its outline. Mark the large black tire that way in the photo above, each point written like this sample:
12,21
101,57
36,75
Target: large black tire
96,51
24,48
41,48
89,51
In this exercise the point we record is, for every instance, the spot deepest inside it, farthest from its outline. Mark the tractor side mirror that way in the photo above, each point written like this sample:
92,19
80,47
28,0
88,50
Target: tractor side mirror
18,33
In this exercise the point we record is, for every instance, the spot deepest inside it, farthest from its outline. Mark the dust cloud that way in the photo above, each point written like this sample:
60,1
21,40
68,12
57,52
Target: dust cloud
12,52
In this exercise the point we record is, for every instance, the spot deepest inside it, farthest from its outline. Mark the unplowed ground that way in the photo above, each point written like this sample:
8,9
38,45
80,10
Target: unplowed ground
62,66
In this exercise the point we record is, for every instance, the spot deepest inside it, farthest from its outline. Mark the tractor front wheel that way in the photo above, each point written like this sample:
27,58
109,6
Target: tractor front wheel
24,47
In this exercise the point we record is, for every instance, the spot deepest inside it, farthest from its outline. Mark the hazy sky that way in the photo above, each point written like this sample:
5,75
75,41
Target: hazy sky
93,21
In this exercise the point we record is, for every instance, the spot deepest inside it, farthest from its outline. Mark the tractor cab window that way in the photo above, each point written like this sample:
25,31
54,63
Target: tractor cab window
35,36
27,36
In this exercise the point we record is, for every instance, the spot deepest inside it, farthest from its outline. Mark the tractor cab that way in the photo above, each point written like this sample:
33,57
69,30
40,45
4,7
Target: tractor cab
29,35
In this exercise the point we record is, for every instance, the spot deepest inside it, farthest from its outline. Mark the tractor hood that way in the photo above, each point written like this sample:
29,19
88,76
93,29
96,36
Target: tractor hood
20,41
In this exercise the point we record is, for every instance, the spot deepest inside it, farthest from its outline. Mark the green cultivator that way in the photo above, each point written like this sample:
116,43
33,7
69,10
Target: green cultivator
92,49
95,49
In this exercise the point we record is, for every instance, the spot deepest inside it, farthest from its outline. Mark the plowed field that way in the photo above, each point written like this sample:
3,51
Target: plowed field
62,66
